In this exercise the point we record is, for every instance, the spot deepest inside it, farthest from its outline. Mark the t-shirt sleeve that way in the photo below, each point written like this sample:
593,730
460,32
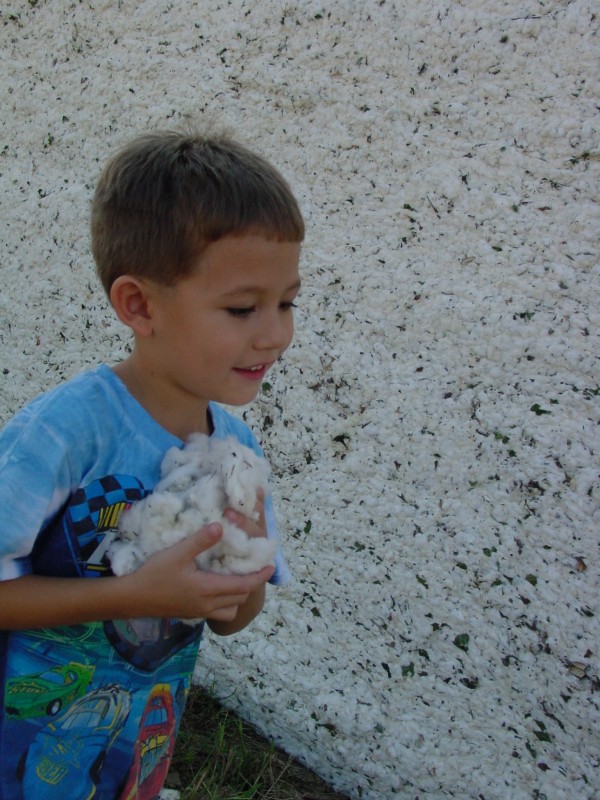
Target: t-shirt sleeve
282,572
35,482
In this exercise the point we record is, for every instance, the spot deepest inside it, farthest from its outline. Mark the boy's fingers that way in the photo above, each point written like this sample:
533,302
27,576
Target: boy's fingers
260,503
224,614
236,517
236,588
201,540
228,591
245,585
264,574
251,526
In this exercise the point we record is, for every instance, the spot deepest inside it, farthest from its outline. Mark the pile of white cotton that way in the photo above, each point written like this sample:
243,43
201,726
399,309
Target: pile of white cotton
198,482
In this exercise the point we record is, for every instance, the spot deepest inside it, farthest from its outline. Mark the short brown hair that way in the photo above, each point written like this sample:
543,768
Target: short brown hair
166,196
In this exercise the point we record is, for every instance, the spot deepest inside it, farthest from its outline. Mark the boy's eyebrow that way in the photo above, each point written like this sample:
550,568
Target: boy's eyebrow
250,288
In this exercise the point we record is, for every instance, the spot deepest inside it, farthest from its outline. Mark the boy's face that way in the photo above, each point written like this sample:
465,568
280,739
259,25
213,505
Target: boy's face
217,332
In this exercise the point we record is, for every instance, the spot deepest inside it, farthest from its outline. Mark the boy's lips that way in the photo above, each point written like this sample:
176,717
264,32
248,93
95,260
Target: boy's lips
254,373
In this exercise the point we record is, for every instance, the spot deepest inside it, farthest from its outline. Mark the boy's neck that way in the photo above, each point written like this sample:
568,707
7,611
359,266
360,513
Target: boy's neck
180,419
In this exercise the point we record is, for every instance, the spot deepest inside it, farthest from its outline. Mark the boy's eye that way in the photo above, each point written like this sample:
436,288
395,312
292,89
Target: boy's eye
245,311
240,312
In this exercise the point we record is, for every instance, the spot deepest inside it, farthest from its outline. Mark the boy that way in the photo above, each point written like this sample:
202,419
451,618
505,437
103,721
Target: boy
197,243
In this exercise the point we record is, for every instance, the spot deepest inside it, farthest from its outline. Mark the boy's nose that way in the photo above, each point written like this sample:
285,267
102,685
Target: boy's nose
276,332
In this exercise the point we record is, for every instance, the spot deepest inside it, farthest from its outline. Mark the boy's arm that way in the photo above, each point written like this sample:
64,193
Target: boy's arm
167,585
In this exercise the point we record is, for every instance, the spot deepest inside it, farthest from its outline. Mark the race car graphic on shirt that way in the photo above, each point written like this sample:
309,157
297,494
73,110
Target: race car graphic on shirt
154,745
46,693
73,545
66,757
87,710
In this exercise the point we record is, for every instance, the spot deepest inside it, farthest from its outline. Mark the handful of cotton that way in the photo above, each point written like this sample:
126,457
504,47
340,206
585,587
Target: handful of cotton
198,482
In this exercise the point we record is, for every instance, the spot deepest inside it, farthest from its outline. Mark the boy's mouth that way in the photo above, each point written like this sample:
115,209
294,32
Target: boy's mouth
253,373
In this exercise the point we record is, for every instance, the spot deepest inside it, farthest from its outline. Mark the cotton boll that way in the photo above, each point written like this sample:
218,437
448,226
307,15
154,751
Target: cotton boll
238,544
170,535
174,458
198,483
132,520
159,512
261,553
126,559
201,445
236,553
206,494
179,479
198,450
193,519
243,472
143,529
182,467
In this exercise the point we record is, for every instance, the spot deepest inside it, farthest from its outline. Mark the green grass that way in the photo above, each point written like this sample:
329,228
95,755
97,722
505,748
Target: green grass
220,757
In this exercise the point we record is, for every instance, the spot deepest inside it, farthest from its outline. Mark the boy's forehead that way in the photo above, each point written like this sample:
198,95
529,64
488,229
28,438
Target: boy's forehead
248,288
242,261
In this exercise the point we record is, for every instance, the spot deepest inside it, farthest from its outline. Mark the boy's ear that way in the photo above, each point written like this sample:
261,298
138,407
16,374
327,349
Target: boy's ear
130,298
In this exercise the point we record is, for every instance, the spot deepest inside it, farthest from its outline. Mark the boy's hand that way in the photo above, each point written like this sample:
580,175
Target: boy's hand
169,584
253,528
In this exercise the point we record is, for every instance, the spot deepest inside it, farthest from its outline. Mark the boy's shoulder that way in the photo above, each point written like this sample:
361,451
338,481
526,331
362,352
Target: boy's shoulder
91,407
65,404
85,383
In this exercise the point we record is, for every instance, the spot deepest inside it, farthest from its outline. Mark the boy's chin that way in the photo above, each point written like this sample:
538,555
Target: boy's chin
240,399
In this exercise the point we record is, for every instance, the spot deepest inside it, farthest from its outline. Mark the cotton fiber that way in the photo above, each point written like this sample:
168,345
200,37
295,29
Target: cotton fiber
198,482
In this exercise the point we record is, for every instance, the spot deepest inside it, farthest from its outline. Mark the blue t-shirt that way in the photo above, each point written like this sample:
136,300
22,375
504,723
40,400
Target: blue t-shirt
92,709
